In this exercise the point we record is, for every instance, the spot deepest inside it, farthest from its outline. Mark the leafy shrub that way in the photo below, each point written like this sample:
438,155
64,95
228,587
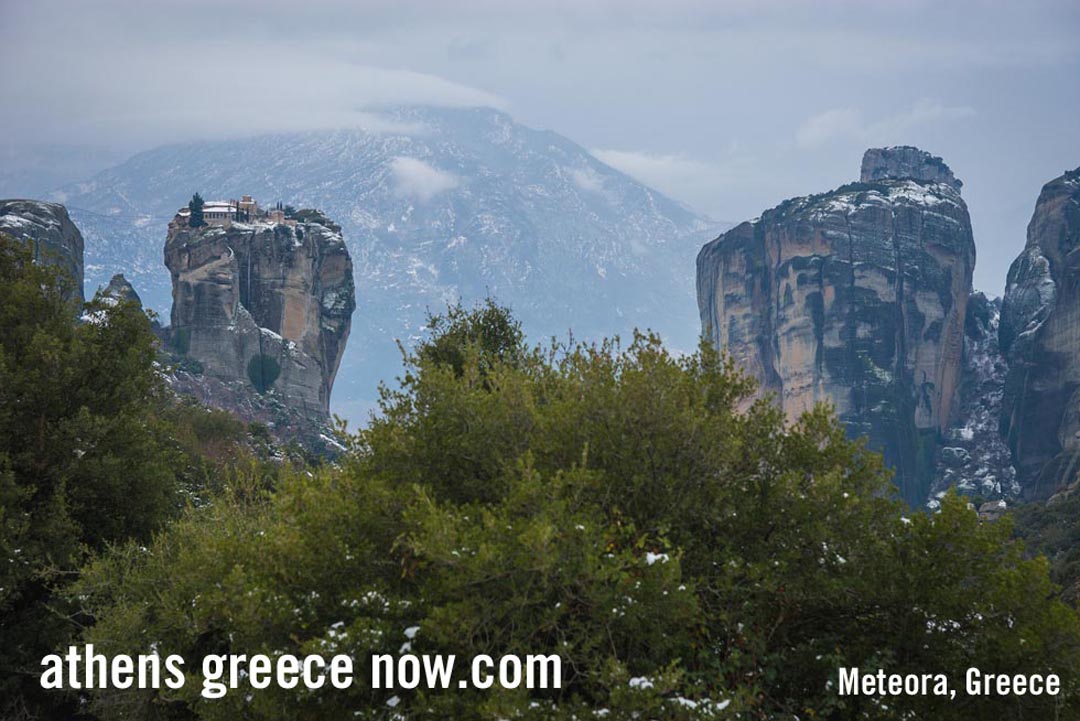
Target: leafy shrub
93,452
85,460
684,550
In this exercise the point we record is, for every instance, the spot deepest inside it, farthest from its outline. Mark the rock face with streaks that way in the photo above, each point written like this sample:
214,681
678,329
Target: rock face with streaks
974,458
1040,337
856,297
55,238
263,306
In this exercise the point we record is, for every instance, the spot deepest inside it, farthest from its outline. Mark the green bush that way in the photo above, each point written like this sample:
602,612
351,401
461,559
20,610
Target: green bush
634,512
84,459
1053,529
93,452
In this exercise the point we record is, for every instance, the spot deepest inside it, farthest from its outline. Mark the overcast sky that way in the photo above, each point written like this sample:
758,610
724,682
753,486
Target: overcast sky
729,107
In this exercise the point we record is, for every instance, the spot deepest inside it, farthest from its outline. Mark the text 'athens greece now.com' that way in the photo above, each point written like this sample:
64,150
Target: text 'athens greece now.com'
83,668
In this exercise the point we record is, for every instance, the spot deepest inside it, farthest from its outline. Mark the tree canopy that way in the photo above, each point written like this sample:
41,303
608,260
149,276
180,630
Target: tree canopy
684,550
92,452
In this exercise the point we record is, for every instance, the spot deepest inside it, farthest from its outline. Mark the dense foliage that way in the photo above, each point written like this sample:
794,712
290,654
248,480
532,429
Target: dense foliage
686,552
1053,529
91,452
488,331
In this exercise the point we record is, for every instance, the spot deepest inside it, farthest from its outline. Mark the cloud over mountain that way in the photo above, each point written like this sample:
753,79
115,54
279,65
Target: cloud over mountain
414,178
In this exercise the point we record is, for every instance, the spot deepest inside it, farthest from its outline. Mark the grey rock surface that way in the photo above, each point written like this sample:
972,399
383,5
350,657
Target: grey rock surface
906,162
974,458
856,297
55,238
263,306
1040,337
121,289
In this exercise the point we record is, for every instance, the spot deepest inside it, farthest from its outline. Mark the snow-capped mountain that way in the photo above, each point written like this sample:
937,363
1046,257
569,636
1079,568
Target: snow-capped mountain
440,205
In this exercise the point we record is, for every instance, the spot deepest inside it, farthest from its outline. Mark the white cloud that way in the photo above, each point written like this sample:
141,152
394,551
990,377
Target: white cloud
823,127
213,85
925,112
414,178
668,173
848,123
587,179
697,182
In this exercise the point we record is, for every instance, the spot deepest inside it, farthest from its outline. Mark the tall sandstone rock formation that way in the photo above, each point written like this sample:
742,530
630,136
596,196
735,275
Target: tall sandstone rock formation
1040,337
47,225
264,306
857,297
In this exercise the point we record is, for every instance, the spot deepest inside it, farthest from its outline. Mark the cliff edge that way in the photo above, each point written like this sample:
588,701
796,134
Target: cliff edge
263,306
1040,337
858,297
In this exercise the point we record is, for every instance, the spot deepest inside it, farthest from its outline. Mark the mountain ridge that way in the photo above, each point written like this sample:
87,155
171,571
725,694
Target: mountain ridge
456,205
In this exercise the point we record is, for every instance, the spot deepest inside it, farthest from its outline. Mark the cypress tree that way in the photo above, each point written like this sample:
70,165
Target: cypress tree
195,205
